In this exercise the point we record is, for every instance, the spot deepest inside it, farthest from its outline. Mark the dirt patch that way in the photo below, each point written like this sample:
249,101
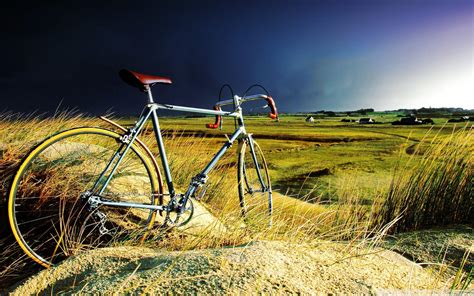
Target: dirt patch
417,149
268,267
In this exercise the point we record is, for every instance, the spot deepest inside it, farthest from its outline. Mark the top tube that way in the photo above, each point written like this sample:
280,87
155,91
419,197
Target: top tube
240,100
196,110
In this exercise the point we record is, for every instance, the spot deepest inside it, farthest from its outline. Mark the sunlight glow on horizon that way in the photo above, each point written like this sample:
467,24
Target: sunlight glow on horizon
430,67
443,75
450,91
449,87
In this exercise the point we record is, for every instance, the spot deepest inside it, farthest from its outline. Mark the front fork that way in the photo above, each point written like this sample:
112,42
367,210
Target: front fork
255,161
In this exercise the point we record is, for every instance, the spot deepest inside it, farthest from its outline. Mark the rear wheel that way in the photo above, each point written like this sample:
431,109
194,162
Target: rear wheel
48,209
255,190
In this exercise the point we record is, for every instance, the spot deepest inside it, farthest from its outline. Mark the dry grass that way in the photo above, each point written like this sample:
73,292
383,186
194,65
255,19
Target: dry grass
294,220
438,189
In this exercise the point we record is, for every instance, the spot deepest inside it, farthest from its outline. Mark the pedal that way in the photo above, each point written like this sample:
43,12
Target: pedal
201,193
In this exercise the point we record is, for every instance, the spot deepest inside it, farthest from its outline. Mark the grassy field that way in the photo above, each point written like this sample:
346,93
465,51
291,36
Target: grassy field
313,161
322,162
333,180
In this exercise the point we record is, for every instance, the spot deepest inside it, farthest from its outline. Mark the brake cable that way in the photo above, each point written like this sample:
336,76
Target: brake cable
232,94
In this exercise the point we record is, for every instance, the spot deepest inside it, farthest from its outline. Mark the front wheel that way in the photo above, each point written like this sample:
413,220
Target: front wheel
48,209
255,189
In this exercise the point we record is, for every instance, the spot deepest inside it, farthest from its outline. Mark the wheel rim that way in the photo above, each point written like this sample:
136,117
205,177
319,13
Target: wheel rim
49,219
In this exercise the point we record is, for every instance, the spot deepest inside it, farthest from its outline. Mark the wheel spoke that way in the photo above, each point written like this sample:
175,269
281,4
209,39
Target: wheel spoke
51,218
36,220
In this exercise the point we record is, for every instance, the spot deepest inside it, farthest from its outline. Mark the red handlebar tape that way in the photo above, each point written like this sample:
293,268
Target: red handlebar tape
218,119
274,113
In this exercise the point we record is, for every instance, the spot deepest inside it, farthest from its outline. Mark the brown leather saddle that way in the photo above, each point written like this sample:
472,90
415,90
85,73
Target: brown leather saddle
140,80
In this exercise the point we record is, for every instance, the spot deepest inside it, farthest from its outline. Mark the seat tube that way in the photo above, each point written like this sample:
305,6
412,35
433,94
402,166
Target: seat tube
161,148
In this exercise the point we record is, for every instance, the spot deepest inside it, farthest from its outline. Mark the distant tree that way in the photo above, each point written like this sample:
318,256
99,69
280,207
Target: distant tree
330,113
365,111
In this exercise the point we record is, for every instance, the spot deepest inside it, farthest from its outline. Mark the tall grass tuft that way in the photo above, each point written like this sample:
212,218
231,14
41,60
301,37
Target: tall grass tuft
437,190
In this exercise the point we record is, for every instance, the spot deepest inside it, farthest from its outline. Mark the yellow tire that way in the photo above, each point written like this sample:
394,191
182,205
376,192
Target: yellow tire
49,219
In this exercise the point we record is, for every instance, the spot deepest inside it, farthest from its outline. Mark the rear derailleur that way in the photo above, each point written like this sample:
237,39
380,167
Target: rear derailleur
92,206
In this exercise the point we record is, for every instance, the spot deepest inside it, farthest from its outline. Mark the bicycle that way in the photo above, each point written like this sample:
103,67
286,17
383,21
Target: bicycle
87,187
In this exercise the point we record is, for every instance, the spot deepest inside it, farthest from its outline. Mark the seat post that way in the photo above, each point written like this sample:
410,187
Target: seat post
148,91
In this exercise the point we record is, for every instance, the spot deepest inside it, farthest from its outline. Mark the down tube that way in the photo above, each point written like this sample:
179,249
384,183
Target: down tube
221,152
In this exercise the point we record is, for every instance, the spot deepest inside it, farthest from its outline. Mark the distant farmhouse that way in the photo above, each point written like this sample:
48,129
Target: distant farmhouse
309,119
462,119
366,120
413,121
410,121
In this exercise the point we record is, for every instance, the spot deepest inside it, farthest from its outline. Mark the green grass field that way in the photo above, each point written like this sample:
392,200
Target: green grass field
313,161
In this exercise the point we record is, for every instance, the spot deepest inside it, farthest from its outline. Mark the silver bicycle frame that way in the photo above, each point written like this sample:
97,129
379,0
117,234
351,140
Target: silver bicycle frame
150,111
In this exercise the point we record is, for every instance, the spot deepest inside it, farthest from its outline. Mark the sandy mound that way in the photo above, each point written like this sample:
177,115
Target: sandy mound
203,221
261,266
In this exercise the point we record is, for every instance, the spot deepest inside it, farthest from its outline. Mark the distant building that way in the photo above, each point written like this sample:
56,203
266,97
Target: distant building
410,121
462,119
427,121
309,119
366,120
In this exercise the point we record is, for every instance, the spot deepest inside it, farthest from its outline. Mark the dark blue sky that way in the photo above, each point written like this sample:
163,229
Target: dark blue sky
311,55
